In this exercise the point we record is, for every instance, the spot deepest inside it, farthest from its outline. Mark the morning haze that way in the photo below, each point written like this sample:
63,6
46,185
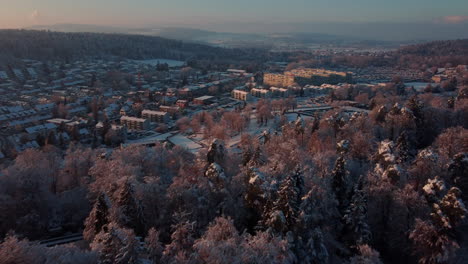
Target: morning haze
378,20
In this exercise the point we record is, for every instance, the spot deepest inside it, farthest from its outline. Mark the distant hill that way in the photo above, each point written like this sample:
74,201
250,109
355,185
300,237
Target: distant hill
438,48
49,45
80,28
211,37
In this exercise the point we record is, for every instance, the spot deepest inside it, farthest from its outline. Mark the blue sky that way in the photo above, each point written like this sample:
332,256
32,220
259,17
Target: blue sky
20,13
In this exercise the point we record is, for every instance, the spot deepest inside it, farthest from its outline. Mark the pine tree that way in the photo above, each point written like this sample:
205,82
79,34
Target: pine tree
153,245
314,251
181,246
98,218
256,158
216,175
458,171
356,229
116,246
435,241
283,215
340,183
215,152
402,148
130,209
246,156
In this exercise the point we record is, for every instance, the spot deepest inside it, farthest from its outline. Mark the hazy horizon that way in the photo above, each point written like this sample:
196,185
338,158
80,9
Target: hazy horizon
382,20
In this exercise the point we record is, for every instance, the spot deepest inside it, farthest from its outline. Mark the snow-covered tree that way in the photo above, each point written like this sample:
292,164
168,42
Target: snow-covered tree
430,244
180,250
435,241
215,174
98,218
266,248
458,171
14,250
220,243
402,148
342,147
129,209
366,255
282,217
216,152
387,163
356,228
153,245
340,182
116,245
314,251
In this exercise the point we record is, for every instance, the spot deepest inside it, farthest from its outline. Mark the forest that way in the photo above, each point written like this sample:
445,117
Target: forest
448,53
387,186
50,46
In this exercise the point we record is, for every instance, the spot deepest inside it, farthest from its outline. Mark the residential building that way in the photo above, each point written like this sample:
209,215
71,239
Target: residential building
203,100
134,123
281,80
155,116
260,93
279,92
241,95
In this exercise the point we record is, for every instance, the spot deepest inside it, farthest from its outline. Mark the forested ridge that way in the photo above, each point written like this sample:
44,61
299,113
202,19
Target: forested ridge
49,45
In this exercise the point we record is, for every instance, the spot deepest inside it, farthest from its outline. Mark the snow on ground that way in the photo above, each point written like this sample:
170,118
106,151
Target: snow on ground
149,140
185,142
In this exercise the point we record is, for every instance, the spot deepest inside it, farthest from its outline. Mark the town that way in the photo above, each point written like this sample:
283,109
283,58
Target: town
209,132
142,102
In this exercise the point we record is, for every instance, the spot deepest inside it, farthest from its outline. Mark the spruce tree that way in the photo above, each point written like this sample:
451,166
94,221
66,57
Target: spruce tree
153,245
356,229
340,183
458,171
402,148
98,218
130,209
283,216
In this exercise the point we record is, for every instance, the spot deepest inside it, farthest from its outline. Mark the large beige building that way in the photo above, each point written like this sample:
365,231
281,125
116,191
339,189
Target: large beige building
309,73
281,80
304,76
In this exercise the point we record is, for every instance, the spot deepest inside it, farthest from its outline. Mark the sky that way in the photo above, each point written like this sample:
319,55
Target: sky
22,13
234,15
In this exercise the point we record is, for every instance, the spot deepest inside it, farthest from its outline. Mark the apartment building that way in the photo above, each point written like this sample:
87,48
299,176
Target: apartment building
260,93
155,116
279,92
241,95
134,123
281,80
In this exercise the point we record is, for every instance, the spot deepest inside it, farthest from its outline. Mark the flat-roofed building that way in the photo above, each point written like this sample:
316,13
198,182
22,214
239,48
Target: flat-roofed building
241,95
155,116
282,80
279,92
134,123
182,103
203,100
260,93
